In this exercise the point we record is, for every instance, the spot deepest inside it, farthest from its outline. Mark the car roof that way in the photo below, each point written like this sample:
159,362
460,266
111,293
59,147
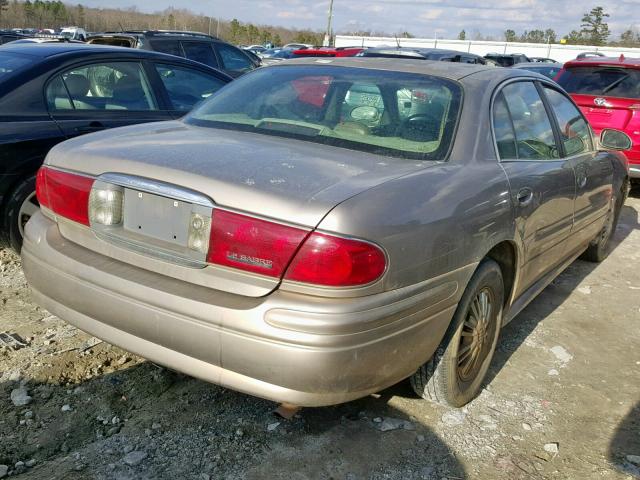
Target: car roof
46,50
620,61
450,70
537,64
418,50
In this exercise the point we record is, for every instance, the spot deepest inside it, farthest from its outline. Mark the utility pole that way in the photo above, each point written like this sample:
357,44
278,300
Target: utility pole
209,25
329,34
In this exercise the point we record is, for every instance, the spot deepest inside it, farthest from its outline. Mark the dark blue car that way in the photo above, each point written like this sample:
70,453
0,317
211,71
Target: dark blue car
53,92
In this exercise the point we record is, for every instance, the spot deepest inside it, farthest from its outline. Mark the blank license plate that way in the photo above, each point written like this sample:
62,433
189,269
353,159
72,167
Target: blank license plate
157,217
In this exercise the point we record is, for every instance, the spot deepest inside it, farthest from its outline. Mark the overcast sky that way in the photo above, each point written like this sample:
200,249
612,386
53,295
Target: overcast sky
420,17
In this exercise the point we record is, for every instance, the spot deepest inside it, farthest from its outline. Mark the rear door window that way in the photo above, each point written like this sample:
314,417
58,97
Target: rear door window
574,129
187,87
602,81
102,86
534,135
200,52
172,47
233,59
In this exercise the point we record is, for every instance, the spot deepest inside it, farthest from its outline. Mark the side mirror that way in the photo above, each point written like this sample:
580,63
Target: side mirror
614,139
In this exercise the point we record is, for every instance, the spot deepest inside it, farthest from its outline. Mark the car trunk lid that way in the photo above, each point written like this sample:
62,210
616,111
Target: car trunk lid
287,182
609,112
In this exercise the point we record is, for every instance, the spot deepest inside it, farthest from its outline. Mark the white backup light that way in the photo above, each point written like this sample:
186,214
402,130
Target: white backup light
106,206
199,231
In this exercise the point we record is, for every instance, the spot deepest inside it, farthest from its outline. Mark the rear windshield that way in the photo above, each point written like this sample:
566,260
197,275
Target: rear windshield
506,61
10,64
602,81
388,113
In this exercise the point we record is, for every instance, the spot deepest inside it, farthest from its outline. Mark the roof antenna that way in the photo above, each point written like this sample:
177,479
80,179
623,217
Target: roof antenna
121,28
397,41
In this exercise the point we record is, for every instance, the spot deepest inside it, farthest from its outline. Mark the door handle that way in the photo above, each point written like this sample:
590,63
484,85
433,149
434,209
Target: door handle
524,196
92,127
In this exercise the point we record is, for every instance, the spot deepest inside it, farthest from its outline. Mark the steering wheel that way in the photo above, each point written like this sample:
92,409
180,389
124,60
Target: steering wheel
407,123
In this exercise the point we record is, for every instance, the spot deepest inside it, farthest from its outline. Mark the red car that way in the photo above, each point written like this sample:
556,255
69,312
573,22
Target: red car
607,90
329,52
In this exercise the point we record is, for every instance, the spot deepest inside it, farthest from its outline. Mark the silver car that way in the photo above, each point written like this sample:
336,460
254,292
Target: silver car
322,229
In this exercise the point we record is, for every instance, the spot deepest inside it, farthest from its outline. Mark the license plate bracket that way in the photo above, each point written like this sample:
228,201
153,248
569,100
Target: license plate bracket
158,217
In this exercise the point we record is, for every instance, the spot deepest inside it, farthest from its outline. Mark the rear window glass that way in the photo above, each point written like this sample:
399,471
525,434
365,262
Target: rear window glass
10,64
388,113
172,47
602,81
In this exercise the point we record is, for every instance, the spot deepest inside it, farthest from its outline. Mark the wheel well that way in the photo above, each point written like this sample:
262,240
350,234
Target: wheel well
504,254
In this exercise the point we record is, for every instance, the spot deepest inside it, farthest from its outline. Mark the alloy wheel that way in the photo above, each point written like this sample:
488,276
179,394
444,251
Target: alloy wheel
477,334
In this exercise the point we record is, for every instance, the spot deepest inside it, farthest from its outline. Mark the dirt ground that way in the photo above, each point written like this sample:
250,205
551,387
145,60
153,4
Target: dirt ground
562,401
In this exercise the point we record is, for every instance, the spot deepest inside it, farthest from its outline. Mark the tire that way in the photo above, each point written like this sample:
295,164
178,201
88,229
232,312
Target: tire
598,249
452,376
21,205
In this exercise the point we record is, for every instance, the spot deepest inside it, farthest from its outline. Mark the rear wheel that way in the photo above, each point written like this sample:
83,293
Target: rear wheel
599,249
454,375
21,206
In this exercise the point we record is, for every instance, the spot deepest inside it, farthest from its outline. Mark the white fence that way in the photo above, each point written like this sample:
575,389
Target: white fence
561,53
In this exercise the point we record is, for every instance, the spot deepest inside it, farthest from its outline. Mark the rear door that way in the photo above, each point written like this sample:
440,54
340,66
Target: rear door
92,97
542,183
594,172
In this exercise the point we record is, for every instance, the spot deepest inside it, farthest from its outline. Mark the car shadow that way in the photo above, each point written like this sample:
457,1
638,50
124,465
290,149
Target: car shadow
190,429
624,449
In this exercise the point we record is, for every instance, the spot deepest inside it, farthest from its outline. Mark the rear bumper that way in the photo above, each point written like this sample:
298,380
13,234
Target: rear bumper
285,347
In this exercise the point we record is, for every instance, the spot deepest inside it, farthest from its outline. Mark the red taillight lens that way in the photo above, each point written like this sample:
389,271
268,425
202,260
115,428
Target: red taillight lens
64,193
251,244
336,262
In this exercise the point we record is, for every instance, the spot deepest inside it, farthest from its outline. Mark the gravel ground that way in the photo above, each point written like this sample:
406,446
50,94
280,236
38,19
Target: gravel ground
561,402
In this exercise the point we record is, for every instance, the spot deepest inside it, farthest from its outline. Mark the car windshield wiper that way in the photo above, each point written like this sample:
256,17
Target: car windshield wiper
616,83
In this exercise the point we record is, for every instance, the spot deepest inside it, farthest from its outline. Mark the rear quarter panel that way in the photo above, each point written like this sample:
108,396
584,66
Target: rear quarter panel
443,217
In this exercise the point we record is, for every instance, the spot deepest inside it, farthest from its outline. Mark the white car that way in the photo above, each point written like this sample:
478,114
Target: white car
74,33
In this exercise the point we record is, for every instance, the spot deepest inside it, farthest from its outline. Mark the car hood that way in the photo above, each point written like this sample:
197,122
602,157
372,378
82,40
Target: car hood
291,180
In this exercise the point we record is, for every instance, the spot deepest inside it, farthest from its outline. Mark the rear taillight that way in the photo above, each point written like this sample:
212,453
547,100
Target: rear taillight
252,244
336,262
269,248
66,194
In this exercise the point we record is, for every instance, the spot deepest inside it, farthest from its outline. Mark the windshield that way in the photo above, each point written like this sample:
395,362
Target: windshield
384,112
602,81
10,64
67,34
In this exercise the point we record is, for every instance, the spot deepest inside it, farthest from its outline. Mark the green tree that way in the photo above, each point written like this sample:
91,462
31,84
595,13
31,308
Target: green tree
4,5
629,38
575,38
550,35
510,36
594,28
81,16
462,35
533,36
276,40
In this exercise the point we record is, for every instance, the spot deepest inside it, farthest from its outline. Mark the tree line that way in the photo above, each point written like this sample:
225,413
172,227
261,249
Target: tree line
40,14
55,14
594,30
